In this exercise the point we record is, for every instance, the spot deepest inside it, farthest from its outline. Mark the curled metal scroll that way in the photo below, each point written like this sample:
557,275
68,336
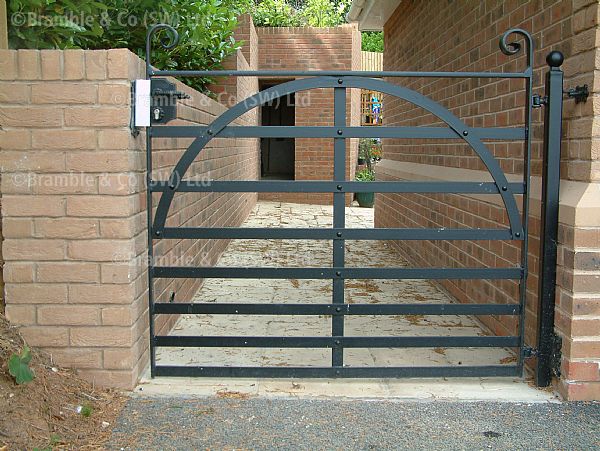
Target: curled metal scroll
514,47
167,41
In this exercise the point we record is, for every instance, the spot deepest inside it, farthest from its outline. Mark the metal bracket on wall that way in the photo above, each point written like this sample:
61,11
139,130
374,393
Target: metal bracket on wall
579,93
135,131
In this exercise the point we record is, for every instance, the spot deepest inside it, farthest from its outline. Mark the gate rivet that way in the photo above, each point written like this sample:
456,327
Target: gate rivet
338,273
337,342
337,372
504,188
465,133
171,186
338,309
518,234
209,131
339,234
340,132
158,233
339,187
340,81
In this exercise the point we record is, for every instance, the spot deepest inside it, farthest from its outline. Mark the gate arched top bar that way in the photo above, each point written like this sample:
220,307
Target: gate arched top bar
275,92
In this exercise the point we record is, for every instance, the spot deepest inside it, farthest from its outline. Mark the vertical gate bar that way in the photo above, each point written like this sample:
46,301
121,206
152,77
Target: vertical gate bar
339,221
549,218
150,237
525,217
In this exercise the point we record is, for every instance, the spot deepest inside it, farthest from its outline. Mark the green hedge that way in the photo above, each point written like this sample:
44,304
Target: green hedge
310,13
205,28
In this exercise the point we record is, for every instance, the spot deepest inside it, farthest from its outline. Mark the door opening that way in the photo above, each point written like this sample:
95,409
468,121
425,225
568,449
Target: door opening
278,154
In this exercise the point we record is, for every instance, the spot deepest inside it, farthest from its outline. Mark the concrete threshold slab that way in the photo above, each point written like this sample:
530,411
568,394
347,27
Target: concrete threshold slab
451,389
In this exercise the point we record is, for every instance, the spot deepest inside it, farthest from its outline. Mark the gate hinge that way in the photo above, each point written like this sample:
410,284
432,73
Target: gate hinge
555,357
579,93
537,101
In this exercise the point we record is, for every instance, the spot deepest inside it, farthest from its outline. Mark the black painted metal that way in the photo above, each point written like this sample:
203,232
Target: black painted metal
350,372
271,131
549,219
338,309
284,186
336,342
249,233
332,309
276,92
335,273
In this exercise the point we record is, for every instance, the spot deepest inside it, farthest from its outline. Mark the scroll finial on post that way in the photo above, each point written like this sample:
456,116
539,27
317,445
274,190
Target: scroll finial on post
514,47
170,40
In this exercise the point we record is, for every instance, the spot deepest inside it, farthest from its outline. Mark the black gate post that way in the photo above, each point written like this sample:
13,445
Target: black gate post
549,218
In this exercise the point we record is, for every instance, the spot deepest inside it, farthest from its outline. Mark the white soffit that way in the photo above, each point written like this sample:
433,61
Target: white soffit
371,15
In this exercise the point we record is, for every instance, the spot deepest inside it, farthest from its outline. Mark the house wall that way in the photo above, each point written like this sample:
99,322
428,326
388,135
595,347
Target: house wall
314,49
74,206
463,35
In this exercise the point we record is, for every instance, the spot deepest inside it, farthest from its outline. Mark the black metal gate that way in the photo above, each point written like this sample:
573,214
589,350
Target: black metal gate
338,309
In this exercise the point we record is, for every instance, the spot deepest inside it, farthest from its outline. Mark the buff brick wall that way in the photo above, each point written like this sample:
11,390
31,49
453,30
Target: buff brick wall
314,49
464,35
73,207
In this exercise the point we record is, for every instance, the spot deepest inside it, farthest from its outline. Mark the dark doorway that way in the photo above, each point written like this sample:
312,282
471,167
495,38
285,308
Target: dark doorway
278,154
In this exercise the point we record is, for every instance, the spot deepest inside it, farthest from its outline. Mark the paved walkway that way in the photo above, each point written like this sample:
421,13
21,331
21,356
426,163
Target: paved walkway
229,423
308,253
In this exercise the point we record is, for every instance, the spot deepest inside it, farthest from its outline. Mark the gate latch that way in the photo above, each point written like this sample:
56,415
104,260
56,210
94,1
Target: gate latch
579,93
163,104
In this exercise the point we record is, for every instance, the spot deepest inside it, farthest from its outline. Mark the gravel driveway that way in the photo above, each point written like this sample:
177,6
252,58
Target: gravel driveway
229,422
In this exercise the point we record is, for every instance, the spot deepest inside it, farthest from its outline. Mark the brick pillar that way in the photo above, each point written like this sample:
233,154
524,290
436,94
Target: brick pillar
73,209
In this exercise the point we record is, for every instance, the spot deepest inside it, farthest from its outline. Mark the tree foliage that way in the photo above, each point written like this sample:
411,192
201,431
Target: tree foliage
205,27
372,41
300,13
310,13
275,13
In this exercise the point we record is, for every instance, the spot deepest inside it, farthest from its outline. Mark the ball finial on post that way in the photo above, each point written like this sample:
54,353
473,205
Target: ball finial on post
555,58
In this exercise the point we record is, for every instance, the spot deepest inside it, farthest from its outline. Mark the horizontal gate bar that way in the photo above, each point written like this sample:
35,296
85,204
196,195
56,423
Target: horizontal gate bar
331,234
332,273
337,309
330,73
330,372
190,131
283,186
332,342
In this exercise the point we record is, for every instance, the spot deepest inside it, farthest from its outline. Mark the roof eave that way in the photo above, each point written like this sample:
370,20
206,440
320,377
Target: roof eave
371,15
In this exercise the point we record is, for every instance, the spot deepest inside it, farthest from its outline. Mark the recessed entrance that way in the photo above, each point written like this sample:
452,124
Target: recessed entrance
278,154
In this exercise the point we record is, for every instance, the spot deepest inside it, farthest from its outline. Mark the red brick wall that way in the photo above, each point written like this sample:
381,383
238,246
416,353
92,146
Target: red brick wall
463,35
314,49
74,206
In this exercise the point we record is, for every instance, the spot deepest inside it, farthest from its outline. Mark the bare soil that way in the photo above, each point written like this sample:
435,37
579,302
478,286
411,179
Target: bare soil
43,414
